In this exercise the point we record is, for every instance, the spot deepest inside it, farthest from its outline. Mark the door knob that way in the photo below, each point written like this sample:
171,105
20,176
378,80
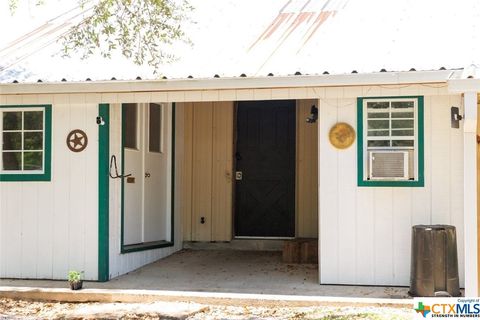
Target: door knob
238,175
147,175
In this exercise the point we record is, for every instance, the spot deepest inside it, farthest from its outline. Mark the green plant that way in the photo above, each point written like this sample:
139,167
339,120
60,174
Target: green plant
74,276
142,31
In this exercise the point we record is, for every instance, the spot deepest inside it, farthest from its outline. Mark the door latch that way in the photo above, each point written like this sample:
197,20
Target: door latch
238,175
147,175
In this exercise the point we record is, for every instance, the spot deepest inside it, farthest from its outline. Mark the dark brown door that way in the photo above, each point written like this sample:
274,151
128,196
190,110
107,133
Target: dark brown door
265,156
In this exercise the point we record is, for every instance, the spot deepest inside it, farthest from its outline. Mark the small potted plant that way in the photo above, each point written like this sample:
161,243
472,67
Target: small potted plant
75,280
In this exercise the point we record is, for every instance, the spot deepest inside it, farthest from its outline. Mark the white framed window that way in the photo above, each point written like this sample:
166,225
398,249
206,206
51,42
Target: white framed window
390,141
25,134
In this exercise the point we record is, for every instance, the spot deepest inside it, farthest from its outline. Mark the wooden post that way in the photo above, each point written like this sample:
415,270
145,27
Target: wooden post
478,189
470,193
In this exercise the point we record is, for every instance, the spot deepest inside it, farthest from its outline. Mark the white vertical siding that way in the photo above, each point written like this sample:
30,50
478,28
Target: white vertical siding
49,228
365,231
123,263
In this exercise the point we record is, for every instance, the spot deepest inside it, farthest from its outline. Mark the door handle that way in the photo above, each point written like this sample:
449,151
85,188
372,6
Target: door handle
113,166
147,175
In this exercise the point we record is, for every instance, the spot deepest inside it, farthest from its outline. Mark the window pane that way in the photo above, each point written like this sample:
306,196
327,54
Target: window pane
12,161
378,124
402,124
402,114
377,105
12,121
402,143
379,143
130,125
32,161
33,141
381,133
402,133
402,104
12,141
33,120
155,127
385,115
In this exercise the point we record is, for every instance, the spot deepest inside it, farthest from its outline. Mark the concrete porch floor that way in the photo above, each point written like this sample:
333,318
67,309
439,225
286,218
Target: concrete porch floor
228,271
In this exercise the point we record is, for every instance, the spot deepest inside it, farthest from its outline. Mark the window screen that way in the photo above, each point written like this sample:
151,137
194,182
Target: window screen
390,124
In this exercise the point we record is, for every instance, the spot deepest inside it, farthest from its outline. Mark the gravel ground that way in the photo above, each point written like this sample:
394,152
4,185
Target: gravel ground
18,309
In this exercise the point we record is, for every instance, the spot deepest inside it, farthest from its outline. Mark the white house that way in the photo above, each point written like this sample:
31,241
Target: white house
106,176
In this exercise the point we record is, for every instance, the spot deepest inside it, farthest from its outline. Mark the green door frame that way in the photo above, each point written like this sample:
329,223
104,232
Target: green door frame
103,192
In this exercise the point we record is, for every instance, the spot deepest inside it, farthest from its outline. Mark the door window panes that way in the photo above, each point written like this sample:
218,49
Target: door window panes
22,136
131,125
155,128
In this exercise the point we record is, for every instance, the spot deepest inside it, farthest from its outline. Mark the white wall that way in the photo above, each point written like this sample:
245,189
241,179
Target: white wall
123,263
365,231
49,228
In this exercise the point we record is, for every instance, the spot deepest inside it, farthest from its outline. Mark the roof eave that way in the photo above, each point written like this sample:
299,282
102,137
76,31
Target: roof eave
463,85
117,86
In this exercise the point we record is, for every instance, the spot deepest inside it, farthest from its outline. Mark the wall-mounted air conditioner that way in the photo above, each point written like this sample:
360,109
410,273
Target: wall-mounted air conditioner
388,165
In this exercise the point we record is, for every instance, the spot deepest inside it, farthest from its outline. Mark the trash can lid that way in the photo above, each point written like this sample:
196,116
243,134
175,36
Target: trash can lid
433,227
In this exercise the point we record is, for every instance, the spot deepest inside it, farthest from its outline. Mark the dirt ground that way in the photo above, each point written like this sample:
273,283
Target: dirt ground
18,309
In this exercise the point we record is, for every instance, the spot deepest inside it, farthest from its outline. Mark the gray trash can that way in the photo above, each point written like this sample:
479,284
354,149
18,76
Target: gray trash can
434,266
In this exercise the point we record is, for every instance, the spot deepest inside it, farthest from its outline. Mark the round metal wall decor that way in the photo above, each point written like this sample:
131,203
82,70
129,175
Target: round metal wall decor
77,140
342,135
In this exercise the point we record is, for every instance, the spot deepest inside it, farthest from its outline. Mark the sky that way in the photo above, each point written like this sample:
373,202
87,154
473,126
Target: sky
256,37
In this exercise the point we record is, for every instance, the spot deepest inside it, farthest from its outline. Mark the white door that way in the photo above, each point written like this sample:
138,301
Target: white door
133,185
147,156
157,179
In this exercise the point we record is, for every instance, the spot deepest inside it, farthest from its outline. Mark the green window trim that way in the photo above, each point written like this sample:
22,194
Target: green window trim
420,181
103,193
46,175
154,244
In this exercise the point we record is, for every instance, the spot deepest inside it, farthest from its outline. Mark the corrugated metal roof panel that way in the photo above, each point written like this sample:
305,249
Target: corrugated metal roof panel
260,37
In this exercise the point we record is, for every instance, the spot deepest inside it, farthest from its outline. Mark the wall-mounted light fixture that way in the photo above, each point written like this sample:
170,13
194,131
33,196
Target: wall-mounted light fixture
100,121
312,118
455,117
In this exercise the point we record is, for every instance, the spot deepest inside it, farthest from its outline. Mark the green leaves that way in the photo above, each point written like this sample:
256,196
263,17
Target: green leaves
141,30
13,4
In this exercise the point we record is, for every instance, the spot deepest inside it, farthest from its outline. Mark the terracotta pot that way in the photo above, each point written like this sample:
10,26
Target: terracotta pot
76,285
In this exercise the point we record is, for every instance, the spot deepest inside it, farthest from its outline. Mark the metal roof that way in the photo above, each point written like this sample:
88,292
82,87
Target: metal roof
258,38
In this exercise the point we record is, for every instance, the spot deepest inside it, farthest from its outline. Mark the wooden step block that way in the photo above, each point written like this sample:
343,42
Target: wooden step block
300,250
309,251
291,251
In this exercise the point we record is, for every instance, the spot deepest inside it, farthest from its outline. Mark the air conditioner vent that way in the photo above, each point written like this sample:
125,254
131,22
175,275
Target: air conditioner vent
388,165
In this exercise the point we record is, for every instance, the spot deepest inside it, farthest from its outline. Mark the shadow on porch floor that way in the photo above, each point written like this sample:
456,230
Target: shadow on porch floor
236,271
230,271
